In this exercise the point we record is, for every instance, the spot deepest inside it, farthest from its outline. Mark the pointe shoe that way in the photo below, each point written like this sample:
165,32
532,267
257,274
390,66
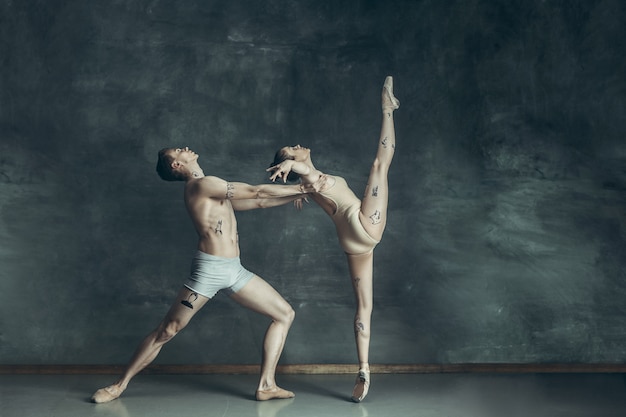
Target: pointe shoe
104,395
390,102
362,386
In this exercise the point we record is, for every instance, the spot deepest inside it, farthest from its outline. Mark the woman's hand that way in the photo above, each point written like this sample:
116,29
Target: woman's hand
281,170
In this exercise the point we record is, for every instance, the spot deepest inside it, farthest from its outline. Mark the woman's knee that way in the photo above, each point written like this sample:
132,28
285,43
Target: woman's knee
365,309
364,303
381,164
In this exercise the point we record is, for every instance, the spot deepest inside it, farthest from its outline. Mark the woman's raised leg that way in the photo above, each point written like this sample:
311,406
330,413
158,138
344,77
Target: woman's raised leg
374,204
373,217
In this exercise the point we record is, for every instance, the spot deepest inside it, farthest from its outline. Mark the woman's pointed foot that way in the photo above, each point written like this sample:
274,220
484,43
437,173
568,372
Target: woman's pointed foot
361,386
390,102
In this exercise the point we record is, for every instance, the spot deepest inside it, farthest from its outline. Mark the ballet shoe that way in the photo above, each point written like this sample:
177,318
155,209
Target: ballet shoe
104,395
362,386
273,394
390,102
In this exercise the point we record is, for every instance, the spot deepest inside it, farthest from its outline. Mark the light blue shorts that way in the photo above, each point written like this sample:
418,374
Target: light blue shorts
210,274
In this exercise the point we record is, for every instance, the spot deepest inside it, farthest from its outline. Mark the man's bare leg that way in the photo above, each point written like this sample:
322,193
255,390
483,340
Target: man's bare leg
259,296
176,319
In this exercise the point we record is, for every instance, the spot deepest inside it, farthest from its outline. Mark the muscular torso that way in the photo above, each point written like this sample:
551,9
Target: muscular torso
215,222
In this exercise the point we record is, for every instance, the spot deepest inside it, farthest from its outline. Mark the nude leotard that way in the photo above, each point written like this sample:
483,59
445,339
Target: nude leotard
352,236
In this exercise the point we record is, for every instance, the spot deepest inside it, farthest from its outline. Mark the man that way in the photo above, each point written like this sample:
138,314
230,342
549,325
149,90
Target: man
211,202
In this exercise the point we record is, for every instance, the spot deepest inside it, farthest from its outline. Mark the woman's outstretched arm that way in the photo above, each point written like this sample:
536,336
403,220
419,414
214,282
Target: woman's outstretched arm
283,169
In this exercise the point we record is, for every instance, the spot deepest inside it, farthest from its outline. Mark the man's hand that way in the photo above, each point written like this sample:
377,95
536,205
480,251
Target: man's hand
299,203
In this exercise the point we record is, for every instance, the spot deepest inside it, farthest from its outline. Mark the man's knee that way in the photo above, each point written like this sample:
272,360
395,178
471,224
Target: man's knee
287,316
167,330
291,315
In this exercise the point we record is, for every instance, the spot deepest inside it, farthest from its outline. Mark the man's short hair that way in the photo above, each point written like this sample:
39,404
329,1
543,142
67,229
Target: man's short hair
164,166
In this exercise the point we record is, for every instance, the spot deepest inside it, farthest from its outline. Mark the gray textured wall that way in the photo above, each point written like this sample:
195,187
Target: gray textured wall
507,229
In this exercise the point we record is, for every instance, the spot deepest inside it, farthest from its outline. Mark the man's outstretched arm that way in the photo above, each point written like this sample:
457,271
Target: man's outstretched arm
214,187
242,205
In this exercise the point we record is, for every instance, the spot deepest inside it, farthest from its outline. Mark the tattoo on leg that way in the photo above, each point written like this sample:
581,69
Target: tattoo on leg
356,281
359,326
190,299
218,228
376,217
375,191
230,190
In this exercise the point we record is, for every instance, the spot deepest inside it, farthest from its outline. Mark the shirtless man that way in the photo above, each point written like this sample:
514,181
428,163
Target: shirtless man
211,202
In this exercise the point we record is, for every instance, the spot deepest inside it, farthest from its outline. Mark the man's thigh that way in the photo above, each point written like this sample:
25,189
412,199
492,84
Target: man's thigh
261,297
185,306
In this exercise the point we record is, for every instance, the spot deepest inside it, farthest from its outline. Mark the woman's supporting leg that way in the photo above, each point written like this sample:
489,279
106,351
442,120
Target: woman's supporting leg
373,213
361,273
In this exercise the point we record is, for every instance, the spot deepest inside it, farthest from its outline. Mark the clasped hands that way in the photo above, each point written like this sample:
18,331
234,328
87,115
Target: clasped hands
282,170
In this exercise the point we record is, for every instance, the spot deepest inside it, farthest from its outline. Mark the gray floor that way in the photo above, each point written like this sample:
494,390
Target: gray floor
424,395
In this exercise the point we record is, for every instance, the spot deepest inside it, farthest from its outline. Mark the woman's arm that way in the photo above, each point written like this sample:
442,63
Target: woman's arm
283,169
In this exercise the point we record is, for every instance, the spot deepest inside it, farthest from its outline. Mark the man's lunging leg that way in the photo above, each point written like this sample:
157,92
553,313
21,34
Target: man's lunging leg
260,297
175,320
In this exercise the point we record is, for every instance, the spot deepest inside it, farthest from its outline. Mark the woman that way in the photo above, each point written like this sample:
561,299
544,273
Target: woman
359,223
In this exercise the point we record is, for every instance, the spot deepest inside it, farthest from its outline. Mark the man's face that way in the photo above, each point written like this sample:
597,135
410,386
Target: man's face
183,155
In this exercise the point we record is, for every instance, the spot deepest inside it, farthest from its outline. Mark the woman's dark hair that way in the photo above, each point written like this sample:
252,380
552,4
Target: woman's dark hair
281,156
164,167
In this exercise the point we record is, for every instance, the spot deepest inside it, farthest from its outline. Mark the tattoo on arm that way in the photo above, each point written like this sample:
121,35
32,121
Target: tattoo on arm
230,190
218,228
356,281
376,217
375,191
